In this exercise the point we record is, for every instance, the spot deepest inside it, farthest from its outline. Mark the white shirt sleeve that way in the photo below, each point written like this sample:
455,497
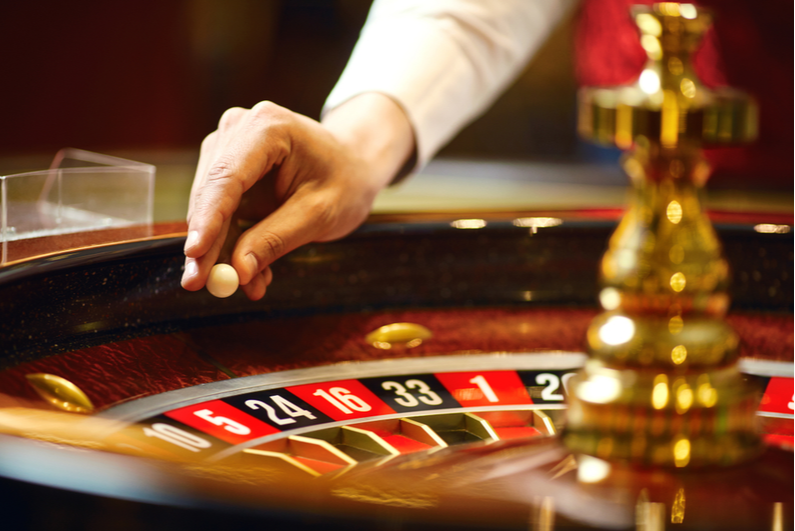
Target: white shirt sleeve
444,61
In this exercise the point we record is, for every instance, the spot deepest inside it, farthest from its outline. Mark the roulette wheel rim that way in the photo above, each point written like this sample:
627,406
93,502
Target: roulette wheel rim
170,247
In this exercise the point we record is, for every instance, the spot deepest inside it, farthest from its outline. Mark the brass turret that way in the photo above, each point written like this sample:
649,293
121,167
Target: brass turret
662,385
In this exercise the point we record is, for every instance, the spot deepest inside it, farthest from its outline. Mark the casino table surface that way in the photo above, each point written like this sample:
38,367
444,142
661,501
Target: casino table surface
193,395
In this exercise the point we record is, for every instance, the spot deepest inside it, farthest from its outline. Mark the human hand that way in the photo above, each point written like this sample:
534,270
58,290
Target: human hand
300,180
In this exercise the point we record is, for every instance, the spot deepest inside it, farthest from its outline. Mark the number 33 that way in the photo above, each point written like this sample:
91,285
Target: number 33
406,399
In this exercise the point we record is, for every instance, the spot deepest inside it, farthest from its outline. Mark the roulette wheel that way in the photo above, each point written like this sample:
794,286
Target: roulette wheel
399,341
413,375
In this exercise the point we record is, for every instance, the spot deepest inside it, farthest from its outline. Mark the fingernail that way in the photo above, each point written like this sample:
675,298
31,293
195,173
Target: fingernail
252,264
192,240
191,269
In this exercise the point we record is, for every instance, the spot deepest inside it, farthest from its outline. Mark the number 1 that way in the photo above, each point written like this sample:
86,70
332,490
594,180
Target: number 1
484,386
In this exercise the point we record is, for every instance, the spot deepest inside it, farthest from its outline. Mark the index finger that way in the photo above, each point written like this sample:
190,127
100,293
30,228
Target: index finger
209,150
249,152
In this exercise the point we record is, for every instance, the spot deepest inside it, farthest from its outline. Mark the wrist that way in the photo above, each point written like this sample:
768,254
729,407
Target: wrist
377,132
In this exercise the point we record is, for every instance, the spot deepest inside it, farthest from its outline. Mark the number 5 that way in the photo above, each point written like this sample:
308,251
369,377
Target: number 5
229,425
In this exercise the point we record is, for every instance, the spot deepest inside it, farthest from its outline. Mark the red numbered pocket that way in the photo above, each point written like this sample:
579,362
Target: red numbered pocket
485,388
223,421
342,400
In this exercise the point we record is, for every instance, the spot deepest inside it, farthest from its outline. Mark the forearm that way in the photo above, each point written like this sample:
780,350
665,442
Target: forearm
444,61
377,132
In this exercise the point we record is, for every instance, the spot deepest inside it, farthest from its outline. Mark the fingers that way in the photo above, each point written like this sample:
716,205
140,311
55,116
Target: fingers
210,150
249,145
215,203
206,154
255,289
198,269
215,194
303,218
316,189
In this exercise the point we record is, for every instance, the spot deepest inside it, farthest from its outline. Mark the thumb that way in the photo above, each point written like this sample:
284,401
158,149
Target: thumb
295,223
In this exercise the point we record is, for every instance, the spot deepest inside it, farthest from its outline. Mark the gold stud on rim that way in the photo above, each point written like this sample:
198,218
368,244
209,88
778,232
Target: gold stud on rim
60,393
408,335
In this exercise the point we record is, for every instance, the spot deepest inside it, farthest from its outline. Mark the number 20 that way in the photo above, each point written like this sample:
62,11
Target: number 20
552,383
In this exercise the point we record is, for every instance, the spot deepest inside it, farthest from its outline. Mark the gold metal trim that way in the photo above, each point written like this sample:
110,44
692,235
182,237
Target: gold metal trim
318,449
408,335
283,458
421,432
60,393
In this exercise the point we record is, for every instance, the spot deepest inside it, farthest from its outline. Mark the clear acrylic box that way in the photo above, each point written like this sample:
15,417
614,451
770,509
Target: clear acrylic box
82,191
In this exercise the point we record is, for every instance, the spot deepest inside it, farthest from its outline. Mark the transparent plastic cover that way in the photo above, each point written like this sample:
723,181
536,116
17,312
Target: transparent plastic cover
81,191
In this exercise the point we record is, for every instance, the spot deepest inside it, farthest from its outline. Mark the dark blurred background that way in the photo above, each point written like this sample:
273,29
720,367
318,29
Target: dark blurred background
154,74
